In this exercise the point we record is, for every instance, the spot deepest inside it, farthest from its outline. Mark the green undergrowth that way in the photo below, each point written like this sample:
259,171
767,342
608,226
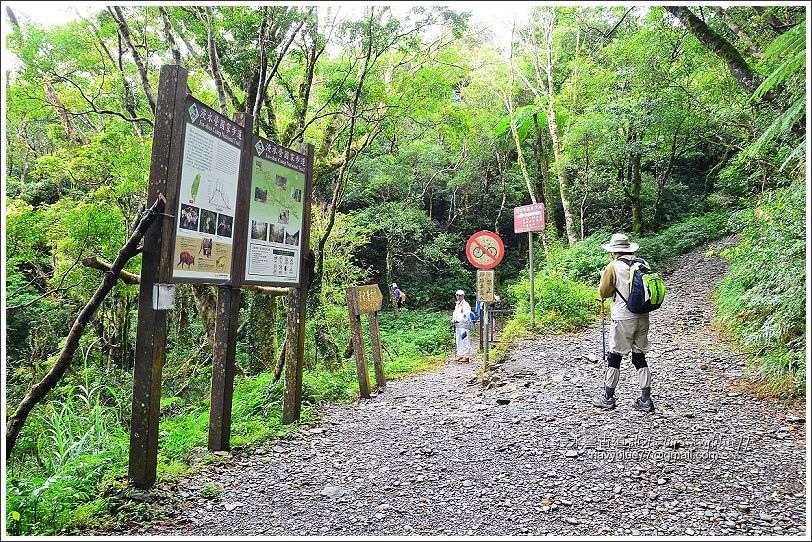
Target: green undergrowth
762,299
68,471
566,280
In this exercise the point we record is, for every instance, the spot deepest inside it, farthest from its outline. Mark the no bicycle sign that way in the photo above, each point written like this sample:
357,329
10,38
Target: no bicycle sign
485,250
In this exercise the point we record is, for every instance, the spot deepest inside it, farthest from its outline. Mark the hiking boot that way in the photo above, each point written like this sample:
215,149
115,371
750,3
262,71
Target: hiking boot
644,406
602,401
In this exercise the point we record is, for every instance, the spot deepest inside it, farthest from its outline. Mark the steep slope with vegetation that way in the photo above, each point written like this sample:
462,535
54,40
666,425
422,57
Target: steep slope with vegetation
674,125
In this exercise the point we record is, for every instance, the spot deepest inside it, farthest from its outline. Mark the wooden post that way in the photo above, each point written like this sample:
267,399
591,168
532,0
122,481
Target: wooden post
156,263
358,343
225,333
375,338
223,366
532,287
297,310
306,274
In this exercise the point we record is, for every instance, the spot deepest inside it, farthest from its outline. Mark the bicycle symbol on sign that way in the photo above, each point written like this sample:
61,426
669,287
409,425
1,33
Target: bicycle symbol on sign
481,250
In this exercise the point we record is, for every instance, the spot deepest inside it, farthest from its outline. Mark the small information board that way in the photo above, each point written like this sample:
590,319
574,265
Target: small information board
276,212
370,299
484,286
528,218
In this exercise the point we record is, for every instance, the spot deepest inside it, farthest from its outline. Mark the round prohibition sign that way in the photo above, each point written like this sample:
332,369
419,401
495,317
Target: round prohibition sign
485,250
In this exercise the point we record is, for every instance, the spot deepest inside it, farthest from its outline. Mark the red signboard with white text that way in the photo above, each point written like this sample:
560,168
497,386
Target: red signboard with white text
528,218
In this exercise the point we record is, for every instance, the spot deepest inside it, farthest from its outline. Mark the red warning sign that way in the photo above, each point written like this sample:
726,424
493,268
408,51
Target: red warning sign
485,250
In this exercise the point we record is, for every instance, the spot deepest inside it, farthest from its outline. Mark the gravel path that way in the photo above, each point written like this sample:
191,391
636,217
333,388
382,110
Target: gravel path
437,454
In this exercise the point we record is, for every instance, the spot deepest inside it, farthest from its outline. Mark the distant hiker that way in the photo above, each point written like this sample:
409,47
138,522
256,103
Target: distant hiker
461,320
628,331
399,296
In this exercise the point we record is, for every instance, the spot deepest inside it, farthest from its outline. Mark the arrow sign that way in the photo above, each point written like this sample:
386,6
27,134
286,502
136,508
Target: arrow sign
528,218
485,250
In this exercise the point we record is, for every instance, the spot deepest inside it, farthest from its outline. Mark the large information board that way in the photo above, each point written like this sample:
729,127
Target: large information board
276,213
207,196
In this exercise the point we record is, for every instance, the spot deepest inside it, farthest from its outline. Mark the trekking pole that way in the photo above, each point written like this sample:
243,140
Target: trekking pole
603,329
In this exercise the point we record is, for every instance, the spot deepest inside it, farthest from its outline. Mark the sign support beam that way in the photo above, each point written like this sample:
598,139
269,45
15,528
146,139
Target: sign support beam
156,263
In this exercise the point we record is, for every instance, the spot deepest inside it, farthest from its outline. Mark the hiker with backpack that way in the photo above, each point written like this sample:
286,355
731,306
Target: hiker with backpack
635,291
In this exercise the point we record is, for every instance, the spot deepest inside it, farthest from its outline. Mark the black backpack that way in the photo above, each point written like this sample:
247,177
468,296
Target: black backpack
646,288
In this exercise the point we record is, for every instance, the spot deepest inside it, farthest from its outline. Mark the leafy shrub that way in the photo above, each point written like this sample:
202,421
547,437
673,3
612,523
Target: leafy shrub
762,299
561,304
683,237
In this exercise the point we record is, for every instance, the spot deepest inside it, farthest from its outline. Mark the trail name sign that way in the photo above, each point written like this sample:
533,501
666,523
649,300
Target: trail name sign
207,196
528,218
366,300
484,286
485,250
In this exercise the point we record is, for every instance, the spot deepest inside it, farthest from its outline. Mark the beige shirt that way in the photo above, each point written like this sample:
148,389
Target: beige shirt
616,277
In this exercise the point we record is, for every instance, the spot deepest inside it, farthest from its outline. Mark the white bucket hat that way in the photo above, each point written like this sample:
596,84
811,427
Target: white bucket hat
459,292
394,285
620,243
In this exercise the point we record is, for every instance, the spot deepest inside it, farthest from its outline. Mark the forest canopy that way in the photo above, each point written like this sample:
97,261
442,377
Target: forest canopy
426,129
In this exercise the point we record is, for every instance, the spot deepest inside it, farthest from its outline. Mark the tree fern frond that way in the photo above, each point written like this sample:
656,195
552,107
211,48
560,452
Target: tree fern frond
790,40
782,124
790,66
798,154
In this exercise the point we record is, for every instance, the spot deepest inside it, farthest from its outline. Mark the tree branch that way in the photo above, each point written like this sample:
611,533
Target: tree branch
38,391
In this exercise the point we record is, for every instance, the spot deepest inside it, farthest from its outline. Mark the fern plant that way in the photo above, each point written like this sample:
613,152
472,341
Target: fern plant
790,50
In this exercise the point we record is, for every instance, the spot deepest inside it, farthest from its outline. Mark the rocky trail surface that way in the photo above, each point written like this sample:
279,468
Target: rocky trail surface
439,454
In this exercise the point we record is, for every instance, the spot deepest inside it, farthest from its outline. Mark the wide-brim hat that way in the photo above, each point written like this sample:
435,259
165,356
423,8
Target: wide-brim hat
459,292
620,243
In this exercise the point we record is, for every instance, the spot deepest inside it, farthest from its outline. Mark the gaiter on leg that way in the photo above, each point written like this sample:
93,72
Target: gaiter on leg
612,374
643,375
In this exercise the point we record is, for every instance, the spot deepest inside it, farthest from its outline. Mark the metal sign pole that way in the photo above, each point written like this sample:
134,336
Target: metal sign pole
532,289
485,327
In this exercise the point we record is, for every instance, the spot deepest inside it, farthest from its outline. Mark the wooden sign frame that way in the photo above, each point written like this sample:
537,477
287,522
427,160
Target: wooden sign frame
355,308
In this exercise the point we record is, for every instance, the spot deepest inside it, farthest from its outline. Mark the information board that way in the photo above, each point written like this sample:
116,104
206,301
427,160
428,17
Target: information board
277,198
484,286
207,196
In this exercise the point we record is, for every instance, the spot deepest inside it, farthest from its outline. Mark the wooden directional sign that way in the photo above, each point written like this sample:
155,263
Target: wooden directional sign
367,300
528,218
485,250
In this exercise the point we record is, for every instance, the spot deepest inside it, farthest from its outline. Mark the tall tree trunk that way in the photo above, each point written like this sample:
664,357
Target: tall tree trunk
124,30
633,191
743,36
70,127
563,179
738,68
206,304
214,57
542,167
710,178
338,189
662,179
170,39
261,333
